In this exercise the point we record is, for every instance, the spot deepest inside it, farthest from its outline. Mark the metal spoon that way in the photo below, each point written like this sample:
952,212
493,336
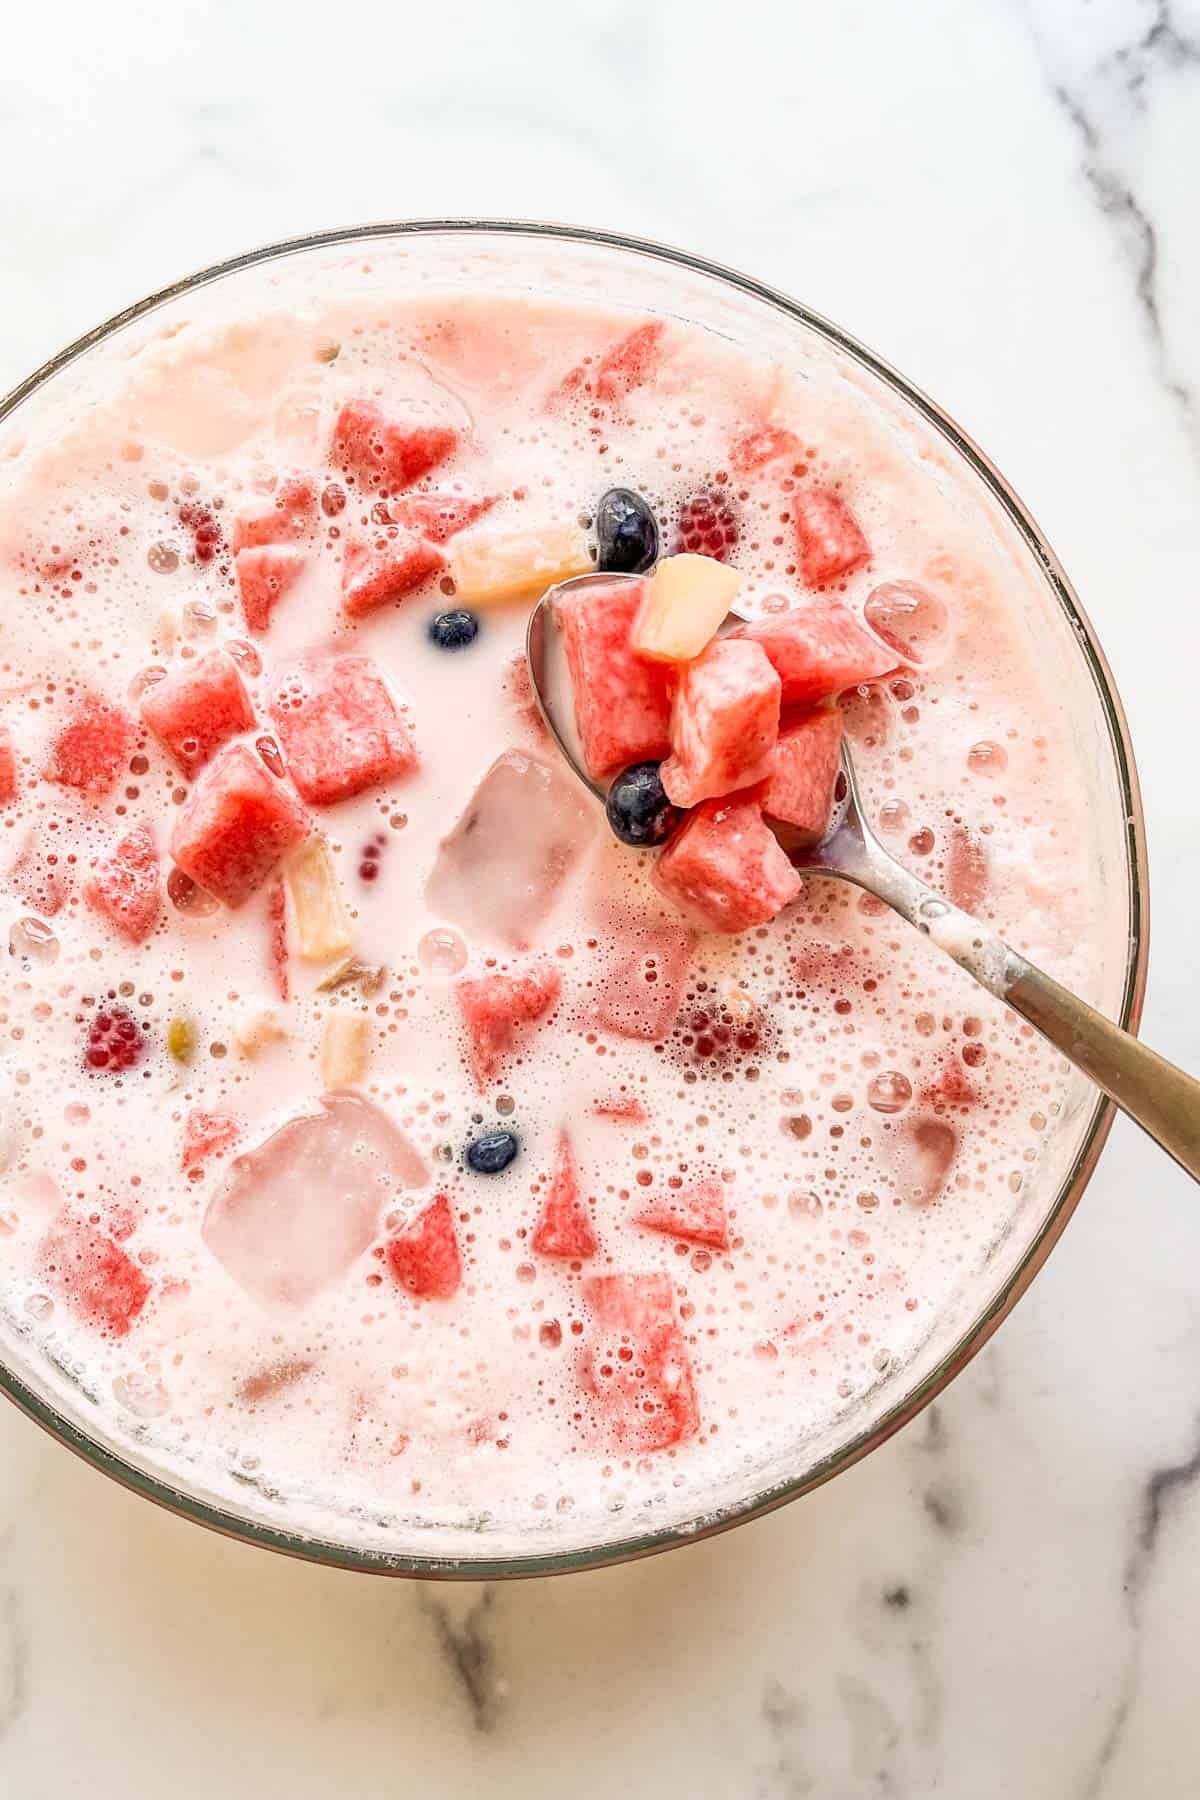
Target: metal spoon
1159,1097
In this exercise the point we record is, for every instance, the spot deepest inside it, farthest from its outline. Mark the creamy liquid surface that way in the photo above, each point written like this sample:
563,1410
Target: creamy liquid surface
871,1114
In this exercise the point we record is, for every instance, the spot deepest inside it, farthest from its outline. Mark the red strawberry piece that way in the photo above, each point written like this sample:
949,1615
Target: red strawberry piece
387,451
622,700
265,573
635,1365
819,650
40,876
754,449
696,1213
725,868
8,768
277,936
340,728
440,516
424,1257
197,708
205,528
290,513
967,871
124,885
708,526
623,1107
807,762
564,1226
92,1274
236,826
641,997
207,1134
91,748
828,536
384,567
724,723
497,1009
115,1041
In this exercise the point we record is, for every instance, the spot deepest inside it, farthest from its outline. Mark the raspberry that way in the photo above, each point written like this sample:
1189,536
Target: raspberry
115,1041
708,526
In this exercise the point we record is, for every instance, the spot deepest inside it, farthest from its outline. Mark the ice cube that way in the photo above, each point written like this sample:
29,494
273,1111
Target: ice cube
295,1212
498,872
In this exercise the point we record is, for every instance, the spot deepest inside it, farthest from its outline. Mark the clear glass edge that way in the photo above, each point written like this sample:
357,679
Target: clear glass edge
755,1505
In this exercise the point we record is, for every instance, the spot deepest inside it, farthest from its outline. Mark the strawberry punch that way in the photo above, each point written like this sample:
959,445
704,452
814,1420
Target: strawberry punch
391,1132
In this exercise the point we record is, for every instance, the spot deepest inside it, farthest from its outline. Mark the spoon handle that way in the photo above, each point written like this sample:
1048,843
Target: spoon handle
1162,1099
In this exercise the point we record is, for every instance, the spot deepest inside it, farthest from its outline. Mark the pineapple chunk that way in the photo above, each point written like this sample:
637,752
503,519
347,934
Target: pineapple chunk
687,597
344,1049
256,1025
492,567
321,922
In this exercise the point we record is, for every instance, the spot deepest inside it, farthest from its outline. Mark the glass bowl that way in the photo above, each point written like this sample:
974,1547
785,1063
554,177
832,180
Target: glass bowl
559,261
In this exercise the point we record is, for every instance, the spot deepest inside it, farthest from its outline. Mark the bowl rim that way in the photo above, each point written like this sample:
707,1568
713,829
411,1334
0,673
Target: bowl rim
537,1563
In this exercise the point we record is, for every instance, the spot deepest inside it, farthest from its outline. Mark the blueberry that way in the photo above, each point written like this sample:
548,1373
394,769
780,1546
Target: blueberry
637,806
627,531
454,630
492,1151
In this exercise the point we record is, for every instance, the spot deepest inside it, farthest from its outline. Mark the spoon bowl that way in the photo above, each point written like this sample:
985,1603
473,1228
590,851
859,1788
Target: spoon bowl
1162,1099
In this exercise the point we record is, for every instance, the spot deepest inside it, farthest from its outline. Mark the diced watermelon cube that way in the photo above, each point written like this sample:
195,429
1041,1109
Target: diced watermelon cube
439,517
626,365
91,748
635,1366
696,1213
197,708
8,768
725,868
967,871
807,762
288,514
207,1134
340,728
754,449
424,1257
724,723
631,362
828,536
387,566
387,451
622,700
40,874
642,995
92,1274
236,826
265,572
124,885
626,1108
497,1009
819,650
277,937
564,1227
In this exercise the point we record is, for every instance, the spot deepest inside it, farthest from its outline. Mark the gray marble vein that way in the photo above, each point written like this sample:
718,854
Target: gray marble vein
467,1645
1096,95
1164,1489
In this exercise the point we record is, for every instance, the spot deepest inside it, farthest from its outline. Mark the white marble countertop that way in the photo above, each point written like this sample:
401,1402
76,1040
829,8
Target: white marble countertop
995,194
